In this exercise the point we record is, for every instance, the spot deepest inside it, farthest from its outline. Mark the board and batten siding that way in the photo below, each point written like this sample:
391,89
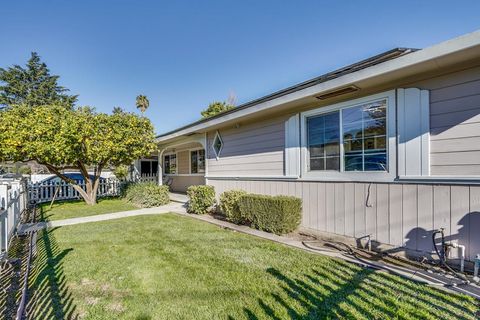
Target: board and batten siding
183,162
401,215
249,149
454,123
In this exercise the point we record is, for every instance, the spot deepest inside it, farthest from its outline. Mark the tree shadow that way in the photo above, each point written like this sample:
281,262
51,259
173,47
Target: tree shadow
48,294
349,293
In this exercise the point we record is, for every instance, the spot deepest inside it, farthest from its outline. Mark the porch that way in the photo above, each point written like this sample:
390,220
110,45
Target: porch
182,163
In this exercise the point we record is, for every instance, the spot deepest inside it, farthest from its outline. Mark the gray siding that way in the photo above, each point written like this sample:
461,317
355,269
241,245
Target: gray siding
250,149
455,123
394,214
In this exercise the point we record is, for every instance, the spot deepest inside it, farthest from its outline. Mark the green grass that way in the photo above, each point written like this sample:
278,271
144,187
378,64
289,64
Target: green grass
174,267
78,208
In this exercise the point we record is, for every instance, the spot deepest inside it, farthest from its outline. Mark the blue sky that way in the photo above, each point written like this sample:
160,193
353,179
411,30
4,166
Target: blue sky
185,54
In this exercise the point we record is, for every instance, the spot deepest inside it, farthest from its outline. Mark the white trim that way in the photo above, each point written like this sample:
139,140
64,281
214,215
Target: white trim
266,177
342,175
446,180
432,58
292,146
425,129
413,134
473,178
217,155
206,153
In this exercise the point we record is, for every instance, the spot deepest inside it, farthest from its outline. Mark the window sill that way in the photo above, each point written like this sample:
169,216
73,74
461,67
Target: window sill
440,179
354,176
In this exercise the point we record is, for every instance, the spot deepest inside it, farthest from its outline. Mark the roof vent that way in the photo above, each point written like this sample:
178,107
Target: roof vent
337,92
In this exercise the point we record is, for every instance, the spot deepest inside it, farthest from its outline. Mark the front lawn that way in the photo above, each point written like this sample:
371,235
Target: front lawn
78,208
175,267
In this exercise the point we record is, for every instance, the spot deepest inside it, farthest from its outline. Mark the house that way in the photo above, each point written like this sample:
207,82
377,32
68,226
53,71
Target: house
387,147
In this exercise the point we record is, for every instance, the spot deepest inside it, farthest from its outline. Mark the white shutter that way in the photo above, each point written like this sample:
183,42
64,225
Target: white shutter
292,146
413,132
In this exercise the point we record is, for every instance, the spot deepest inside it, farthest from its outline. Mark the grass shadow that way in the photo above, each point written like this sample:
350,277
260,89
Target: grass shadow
49,297
346,293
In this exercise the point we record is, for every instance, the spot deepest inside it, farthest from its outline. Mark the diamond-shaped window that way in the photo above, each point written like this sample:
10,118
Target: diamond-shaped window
217,144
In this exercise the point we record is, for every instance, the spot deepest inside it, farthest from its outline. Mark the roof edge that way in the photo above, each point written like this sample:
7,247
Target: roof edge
389,57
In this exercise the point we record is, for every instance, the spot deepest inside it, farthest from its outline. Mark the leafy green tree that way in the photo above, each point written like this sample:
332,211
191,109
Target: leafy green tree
32,86
63,139
216,107
142,103
121,172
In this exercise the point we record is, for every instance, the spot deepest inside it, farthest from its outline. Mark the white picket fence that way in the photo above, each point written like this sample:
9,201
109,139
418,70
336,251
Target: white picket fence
13,201
147,178
46,191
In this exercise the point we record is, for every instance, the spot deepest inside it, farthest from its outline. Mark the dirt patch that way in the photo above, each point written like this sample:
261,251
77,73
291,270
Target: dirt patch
91,300
116,307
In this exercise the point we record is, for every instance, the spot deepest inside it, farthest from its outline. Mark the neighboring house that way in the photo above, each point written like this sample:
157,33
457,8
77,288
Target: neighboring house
389,146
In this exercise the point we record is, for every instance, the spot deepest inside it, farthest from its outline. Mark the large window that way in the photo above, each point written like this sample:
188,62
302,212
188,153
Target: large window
352,138
170,164
324,141
197,161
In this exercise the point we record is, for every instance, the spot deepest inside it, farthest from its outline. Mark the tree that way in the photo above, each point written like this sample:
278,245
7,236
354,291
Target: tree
216,107
62,139
32,86
117,110
142,103
121,172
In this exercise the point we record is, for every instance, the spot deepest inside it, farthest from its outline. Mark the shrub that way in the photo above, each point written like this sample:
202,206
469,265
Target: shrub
277,214
146,194
201,199
229,205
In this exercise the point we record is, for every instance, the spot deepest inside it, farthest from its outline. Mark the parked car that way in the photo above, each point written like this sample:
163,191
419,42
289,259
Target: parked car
75,176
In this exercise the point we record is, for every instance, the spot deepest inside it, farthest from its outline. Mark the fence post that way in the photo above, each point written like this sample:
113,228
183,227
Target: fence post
4,216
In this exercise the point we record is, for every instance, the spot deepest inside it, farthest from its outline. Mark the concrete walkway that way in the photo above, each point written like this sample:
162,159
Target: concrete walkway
178,197
171,207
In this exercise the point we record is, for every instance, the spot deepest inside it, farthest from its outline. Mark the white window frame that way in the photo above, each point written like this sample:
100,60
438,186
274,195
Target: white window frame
163,163
217,155
342,175
190,162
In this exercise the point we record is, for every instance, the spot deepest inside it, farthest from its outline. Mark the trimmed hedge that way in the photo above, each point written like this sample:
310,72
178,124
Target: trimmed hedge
277,214
229,205
146,194
202,198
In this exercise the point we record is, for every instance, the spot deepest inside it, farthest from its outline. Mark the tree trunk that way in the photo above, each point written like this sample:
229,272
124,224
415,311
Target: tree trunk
90,194
89,197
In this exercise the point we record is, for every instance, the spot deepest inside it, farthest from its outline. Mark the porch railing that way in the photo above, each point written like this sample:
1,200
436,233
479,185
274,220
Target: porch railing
147,178
47,191
13,201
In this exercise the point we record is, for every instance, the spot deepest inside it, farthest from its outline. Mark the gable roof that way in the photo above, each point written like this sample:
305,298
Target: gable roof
408,56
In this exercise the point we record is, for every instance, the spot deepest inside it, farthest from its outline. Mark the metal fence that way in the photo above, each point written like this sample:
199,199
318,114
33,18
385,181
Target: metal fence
48,191
13,201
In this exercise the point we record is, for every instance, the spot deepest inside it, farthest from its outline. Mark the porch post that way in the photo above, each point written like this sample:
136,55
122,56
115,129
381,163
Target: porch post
160,168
